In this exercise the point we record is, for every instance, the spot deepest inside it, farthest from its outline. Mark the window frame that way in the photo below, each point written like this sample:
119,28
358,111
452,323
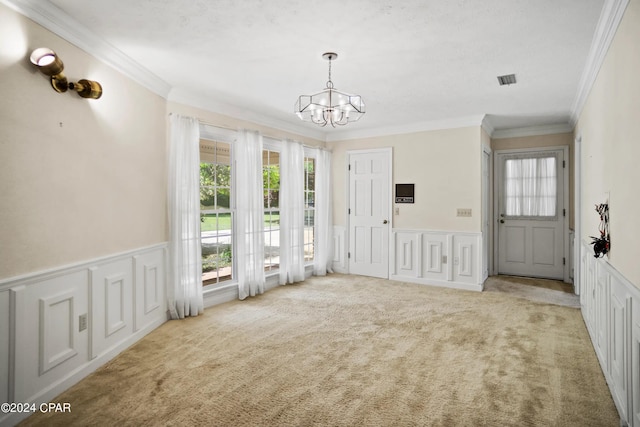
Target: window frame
215,134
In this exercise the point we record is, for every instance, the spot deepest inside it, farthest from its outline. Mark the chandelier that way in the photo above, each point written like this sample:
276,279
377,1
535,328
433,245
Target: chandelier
329,106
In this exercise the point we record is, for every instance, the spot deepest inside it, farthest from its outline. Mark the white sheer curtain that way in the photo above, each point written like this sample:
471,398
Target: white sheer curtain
323,257
184,284
530,186
249,214
291,212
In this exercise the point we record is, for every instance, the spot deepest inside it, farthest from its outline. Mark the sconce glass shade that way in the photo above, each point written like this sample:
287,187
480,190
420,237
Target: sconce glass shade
47,61
51,65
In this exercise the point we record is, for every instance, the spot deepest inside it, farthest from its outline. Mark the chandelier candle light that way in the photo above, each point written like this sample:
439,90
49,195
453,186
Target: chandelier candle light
330,106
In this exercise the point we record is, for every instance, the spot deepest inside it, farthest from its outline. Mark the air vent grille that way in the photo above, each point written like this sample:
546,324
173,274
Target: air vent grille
508,79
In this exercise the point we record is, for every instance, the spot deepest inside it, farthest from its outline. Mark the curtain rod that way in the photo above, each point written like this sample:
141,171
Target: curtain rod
206,123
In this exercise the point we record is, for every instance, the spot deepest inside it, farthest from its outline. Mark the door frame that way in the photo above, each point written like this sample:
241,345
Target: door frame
487,195
565,201
347,243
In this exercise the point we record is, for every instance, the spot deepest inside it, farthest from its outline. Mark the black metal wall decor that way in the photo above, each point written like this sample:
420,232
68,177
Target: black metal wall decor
602,244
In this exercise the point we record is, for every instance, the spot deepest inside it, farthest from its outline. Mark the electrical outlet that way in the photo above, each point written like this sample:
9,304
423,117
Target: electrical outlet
397,211
456,261
463,212
82,321
444,259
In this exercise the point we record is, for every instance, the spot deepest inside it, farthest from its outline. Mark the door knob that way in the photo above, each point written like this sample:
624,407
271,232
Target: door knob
502,221
385,221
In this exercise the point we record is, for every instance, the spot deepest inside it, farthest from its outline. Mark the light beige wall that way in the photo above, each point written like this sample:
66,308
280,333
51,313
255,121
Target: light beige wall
227,122
542,141
610,130
79,178
445,167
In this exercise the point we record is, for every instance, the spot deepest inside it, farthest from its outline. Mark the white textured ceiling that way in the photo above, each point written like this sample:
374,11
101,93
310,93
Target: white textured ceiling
412,61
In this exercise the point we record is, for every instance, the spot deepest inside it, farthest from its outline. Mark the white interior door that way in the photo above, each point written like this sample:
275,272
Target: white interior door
531,213
369,212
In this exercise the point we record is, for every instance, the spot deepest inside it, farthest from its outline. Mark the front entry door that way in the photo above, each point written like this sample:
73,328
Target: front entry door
369,212
531,213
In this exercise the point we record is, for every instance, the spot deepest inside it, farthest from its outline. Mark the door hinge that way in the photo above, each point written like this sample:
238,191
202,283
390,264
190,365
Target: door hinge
349,211
564,261
349,167
564,164
349,255
564,212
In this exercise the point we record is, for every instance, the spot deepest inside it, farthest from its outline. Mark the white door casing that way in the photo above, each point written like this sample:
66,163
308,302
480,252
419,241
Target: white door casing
486,217
531,246
369,212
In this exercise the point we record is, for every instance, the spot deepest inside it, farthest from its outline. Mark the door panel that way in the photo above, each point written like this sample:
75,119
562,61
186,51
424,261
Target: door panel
369,218
531,213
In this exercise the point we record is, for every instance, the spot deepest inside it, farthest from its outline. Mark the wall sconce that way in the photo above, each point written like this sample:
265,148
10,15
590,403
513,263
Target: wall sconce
51,65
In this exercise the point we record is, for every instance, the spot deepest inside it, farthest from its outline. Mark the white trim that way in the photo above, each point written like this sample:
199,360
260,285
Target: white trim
532,131
610,18
577,219
66,269
452,123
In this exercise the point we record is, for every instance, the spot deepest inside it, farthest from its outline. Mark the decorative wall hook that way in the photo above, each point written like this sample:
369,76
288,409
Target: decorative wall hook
602,244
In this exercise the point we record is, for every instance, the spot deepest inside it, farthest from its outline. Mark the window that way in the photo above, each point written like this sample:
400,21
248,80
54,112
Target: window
309,206
271,181
530,187
216,215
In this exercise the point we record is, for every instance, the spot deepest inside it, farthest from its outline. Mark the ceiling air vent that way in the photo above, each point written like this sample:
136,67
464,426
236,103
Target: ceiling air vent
508,79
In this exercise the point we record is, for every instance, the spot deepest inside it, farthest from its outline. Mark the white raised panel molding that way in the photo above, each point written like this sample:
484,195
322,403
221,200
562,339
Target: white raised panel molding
441,258
149,284
111,304
339,249
611,310
5,319
634,369
47,344
57,330
42,350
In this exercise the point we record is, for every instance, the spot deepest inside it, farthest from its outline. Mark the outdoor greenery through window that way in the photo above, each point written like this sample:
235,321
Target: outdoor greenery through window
216,215
309,206
271,181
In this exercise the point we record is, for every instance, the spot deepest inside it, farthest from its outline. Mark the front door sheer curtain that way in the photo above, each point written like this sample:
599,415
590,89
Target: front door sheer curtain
323,258
291,212
250,214
184,287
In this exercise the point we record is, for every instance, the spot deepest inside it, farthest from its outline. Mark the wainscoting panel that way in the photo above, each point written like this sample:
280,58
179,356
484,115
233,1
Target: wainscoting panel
111,305
340,249
60,325
441,258
611,311
149,275
48,343
5,319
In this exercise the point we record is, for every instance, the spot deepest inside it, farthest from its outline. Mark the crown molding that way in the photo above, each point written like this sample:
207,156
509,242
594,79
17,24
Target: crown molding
239,113
532,131
454,123
55,20
487,125
610,17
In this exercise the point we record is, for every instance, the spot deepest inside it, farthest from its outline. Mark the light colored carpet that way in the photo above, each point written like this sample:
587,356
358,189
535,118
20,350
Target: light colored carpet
354,351
540,290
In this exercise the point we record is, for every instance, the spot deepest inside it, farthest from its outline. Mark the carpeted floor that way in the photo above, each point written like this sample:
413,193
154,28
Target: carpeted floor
354,351
532,289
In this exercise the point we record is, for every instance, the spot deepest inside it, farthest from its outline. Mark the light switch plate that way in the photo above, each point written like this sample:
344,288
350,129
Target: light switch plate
466,212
